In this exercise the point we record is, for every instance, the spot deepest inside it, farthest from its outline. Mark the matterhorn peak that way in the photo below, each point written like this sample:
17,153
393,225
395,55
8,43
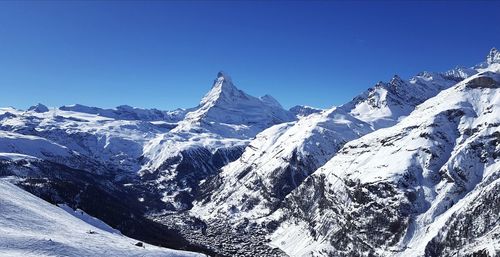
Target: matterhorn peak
223,88
226,104
223,83
493,56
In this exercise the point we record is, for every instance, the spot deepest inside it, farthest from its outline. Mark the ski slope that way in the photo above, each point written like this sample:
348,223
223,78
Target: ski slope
29,226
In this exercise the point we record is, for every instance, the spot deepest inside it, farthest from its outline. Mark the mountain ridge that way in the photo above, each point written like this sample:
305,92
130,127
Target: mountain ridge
265,174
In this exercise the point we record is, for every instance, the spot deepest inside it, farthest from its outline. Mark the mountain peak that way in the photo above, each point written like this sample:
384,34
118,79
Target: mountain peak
223,89
225,104
396,79
396,82
493,56
40,108
223,76
223,81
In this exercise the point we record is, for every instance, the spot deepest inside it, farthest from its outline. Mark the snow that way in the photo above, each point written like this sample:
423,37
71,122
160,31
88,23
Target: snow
428,134
34,146
492,62
298,241
135,142
433,140
225,117
385,103
311,141
30,226
113,143
225,104
169,145
125,112
424,116
89,219
16,157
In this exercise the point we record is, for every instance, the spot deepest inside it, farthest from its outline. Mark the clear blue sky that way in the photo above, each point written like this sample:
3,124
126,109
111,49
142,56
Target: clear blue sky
165,54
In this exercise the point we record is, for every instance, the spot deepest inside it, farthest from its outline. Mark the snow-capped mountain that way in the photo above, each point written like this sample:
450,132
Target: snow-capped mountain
386,103
29,226
38,108
492,61
227,111
281,157
408,167
131,156
276,162
32,146
112,144
405,190
210,136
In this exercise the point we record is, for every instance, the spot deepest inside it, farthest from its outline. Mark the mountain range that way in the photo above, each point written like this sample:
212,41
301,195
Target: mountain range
408,167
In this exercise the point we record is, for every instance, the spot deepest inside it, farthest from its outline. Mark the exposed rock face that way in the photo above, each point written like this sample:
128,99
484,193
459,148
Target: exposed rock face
473,230
483,82
493,56
178,178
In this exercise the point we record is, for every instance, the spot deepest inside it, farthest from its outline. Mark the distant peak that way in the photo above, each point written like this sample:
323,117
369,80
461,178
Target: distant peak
396,80
493,56
39,108
395,83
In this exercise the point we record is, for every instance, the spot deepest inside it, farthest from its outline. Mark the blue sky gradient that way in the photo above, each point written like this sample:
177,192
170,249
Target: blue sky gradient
165,54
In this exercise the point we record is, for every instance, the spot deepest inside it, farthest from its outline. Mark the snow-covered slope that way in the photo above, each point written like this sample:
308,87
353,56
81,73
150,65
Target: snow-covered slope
11,142
30,226
16,146
113,144
393,190
125,112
